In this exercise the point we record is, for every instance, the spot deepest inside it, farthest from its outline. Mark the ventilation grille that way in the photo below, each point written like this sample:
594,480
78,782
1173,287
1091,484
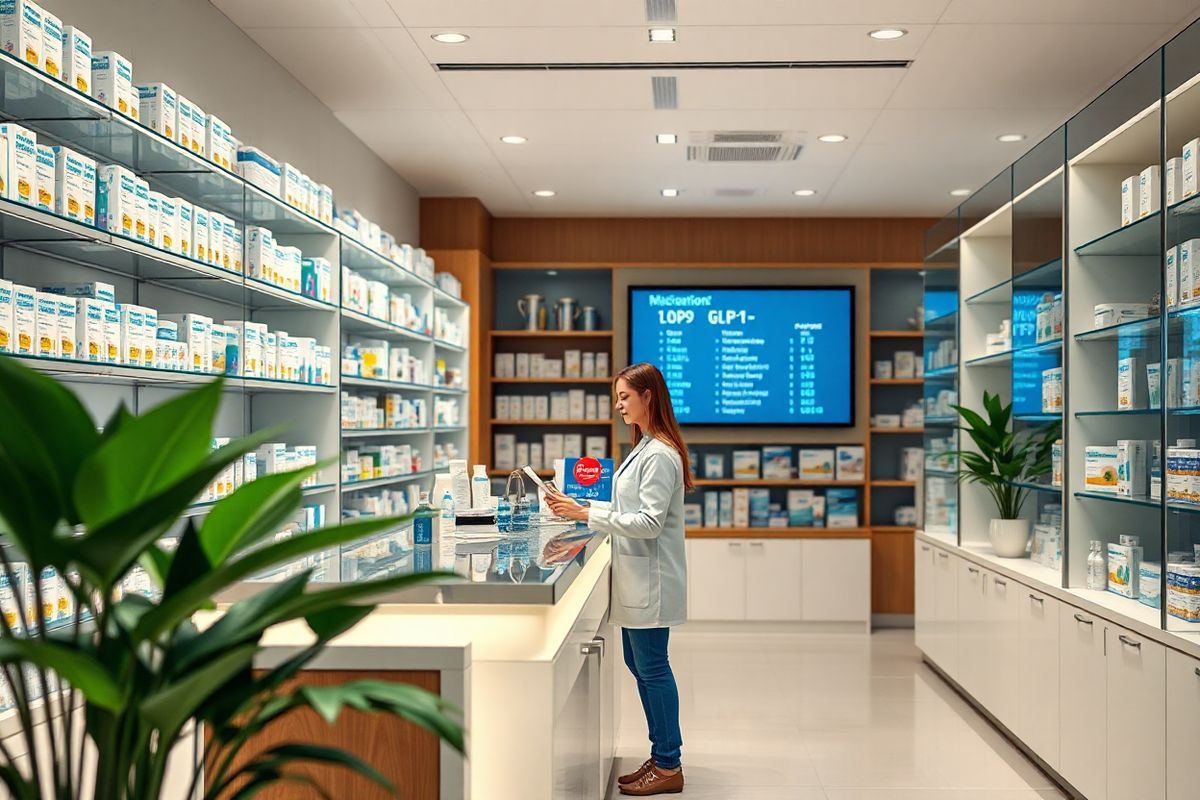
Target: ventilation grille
746,137
753,153
602,66
745,146
660,10
666,92
736,192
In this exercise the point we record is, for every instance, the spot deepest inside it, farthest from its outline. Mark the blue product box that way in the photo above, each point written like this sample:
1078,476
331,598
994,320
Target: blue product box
588,478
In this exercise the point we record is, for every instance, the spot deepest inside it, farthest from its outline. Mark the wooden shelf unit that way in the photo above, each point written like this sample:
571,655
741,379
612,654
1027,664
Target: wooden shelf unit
550,334
795,483
897,334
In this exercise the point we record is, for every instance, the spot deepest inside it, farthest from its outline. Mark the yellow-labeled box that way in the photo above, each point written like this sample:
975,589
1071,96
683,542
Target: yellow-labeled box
66,327
21,155
44,173
116,200
7,339
46,324
75,182
77,59
52,45
112,81
21,30
89,329
24,320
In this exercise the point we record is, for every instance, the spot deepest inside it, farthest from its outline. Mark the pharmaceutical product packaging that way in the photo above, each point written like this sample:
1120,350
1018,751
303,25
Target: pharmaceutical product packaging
1188,158
24,319
325,204
1172,392
7,340
1172,278
133,334
841,509
89,330
1131,384
1101,469
1183,474
112,333
66,327
21,30
1173,178
216,239
1149,186
158,106
21,155
200,233
199,123
259,169
183,122
75,178
1154,385
288,261
260,253
116,203
195,330
237,248
44,174
308,195
1052,390
77,59
1115,313
760,507
816,464
1131,468
1056,463
291,189
230,259
52,45
746,464
112,81
46,324
1187,286
141,210
1130,196
1183,590
218,142
1150,584
1124,569
851,463
153,212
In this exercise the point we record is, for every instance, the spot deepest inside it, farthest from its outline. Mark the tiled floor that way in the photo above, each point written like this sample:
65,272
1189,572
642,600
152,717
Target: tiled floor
779,716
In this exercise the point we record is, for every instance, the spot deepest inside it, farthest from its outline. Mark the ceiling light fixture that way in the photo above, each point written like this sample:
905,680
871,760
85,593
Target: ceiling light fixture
804,192
662,35
513,139
666,138
552,272
1010,137
543,193
449,37
959,192
833,138
888,33
670,192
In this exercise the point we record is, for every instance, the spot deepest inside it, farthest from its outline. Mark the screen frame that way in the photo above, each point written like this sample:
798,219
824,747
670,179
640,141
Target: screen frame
681,287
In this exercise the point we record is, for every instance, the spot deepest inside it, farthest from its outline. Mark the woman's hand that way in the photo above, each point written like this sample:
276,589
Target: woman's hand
566,507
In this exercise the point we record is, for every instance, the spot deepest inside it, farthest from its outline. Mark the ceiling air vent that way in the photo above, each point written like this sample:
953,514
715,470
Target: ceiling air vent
666,93
745,146
732,192
660,10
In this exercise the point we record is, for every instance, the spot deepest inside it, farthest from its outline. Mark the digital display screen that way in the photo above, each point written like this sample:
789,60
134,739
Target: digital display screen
776,355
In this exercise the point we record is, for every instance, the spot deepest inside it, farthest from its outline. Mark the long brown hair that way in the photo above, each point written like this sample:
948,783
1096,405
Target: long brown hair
644,378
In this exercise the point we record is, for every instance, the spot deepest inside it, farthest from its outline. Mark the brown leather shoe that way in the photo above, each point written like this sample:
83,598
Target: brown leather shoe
655,781
637,773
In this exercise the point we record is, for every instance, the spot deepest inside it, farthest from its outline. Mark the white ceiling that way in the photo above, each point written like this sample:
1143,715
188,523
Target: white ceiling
980,68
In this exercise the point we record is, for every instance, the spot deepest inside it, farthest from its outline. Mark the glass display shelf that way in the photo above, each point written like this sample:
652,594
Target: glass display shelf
940,421
449,390
73,369
199,509
442,344
379,383
1185,216
1036,487
940,473
376,483
1000,294
1039,347
1127,412
1140,238
1144,502
945,322
357,322
1047,275
1185,410
449,428
1048,417
444,299
1145,328
994,359
374,266
369,433
942,372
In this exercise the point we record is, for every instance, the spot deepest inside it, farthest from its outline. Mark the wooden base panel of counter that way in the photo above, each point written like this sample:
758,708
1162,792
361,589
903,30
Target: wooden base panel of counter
406,755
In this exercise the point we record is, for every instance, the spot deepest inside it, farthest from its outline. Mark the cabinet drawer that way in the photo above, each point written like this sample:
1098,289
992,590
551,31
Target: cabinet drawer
923,594
1137,698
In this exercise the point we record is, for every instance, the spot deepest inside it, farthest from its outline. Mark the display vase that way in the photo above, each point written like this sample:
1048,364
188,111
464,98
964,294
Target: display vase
1009,537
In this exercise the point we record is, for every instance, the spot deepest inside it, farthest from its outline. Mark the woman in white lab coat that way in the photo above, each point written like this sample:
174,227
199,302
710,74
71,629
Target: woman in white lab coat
649,571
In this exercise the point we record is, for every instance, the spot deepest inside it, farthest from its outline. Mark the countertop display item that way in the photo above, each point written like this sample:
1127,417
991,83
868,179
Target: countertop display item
196,671
533,309
999,462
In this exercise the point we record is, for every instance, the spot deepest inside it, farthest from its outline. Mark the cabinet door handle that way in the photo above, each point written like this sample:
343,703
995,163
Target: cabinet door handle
924,548
1198,672
999,582
738,545
758,544
1134,643
973,570
1037,599
1083,619
943,555
593,648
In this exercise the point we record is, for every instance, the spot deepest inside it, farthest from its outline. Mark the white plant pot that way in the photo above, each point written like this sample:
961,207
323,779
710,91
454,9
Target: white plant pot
1009,537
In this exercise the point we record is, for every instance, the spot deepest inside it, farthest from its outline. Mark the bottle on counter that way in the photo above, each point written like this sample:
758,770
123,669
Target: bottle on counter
520,516
481,488
504,520
1097,572
423,516
446,541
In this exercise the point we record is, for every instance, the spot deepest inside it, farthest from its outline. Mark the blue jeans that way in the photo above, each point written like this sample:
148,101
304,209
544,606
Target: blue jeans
646,657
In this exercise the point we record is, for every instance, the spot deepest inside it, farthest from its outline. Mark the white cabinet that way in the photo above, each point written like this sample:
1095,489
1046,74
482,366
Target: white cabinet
717,579
1001,598
923,591
774,577
1183,726
1037,671
836,582
1137,697
972,633
1083,696
945,618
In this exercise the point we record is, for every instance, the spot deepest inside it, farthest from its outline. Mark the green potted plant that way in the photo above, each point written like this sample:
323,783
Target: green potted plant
79,510
1002,462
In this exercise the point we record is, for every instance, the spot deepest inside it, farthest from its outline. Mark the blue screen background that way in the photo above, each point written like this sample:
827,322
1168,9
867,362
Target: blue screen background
777,356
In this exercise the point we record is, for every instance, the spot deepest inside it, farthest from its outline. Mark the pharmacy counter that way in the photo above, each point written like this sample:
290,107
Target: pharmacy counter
526,651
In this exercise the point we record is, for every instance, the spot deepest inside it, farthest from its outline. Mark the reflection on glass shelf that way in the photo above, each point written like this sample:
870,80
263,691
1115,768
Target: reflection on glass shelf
1128,412
358,322
449,390
373,266
72,369
1146,327
941,473
943,372
451,346
1043,276
198,509
1040,347
1000,294
1185,410
1037,417
1138,239
354,380
941,421
1144,502
991,359
944,321
364,433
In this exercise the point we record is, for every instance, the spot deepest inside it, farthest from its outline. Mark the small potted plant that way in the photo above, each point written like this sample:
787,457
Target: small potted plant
1004,463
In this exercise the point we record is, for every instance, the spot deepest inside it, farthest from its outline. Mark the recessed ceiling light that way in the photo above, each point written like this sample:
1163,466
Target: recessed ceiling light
804,192
670,192
833,138
543,192
551,272
662,35
666,138
959,192
888,33
513,139
449,37
1010,137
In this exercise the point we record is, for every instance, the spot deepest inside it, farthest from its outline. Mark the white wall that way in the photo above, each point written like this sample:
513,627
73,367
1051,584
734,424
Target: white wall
195,49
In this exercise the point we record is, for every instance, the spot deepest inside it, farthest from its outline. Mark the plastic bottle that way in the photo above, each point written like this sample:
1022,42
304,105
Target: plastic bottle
520,516
504,515
1097,574
423,535
481,488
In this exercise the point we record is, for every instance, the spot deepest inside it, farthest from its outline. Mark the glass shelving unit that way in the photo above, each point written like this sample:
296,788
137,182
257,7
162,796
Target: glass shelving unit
941,314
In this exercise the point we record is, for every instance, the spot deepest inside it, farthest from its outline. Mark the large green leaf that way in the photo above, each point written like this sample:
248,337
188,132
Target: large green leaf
410,702
281,756
47,434
81,670
170,706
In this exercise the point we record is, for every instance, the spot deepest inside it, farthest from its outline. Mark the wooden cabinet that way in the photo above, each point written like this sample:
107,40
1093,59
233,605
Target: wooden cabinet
774,579
1136,709
1183,726
923,595
1037,672
1083,698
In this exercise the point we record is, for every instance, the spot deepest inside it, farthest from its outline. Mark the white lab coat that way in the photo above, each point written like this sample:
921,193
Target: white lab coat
649,571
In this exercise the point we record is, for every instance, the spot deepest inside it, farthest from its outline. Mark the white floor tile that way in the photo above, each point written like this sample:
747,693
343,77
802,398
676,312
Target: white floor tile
776,715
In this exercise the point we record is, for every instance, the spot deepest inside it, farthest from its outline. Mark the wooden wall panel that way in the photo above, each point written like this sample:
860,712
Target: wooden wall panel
702,240
892,566
406,755
455,223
